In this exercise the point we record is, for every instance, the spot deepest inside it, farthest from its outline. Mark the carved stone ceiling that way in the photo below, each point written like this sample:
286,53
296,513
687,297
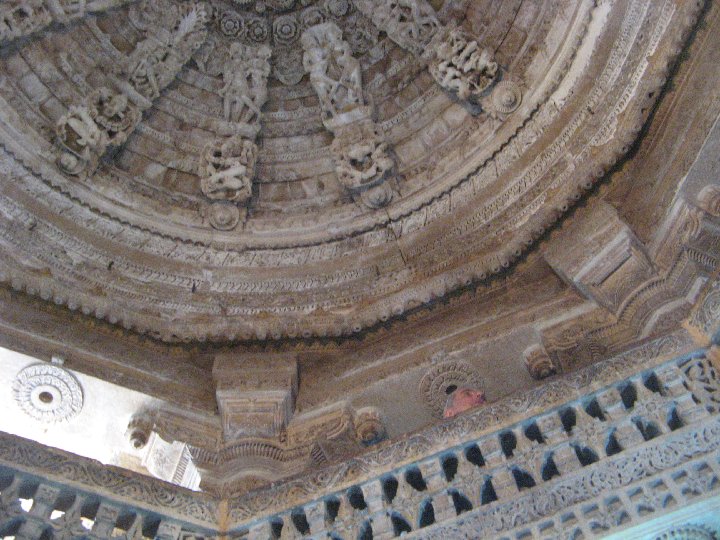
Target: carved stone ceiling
261,169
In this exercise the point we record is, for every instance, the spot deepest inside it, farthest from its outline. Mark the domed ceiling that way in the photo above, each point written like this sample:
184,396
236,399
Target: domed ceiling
256,169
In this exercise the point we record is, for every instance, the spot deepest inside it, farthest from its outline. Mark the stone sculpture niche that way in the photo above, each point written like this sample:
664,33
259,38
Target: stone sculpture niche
227,165
360,154
455,60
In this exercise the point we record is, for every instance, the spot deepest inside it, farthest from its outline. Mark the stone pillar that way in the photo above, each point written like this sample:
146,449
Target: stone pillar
256,396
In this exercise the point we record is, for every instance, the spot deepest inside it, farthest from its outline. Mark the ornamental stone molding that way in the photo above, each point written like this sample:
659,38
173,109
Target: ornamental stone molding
533,473
48,393
334,240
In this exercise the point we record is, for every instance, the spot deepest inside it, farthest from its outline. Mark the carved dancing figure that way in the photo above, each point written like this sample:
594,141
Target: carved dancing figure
245,77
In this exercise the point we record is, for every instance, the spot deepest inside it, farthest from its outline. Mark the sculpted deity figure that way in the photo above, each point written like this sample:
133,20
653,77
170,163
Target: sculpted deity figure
158,58
245,76
21,18
409,23
363,162
85,132
455,60
228,167
459,65
80,139
334,72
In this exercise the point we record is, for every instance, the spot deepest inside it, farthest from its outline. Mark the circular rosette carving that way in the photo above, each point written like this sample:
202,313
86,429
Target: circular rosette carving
689,532
443,379
232,24
224,216
369,428
506,97
257,29
48,393
286,30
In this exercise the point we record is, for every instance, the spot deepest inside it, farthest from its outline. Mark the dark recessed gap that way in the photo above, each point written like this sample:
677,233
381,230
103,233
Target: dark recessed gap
450,389
366,532
649,430
523,479
276,527
487,493
413,476
594,410
427,514
585,455
460,501
674,421
508,442
389,486
474,456
300,521
549,469
613,446
332,507
652,383
533,433
449,466
356,498
568,419
628,395
400,524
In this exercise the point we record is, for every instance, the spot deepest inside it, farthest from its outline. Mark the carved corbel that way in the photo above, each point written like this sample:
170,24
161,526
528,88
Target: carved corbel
85,132
255,396
362,159
539,363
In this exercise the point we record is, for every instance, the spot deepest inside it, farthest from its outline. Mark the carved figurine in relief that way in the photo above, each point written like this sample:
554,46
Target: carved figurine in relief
334,72
114,114
85,132
158,58
363,162
20,18
245,77
459,65
80,139
409,23
228,167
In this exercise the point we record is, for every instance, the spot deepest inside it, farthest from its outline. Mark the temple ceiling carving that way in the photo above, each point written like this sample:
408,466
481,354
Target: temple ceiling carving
252,170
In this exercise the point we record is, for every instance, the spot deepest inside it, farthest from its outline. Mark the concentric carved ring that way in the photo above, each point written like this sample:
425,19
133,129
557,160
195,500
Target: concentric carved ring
48,393
443,379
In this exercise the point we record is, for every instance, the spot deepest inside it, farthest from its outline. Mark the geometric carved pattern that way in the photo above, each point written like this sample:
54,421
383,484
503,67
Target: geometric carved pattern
48,393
